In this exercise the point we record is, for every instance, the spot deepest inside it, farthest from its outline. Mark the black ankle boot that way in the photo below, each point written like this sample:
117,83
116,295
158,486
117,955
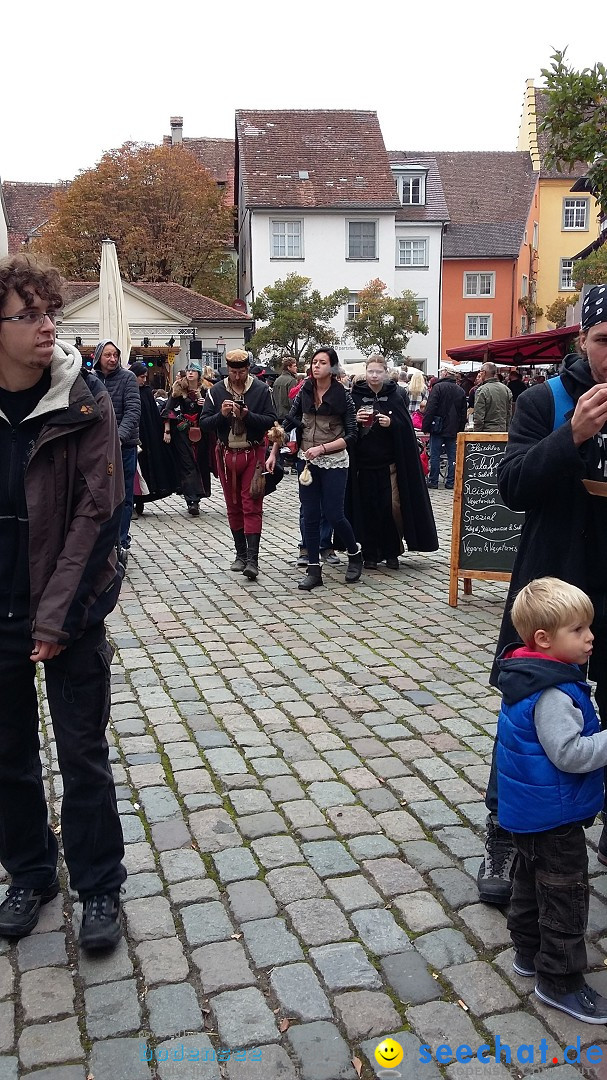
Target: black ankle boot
312,579
240,544
251,569
355,566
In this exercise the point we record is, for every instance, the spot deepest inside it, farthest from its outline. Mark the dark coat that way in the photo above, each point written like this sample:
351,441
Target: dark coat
418,519
259,419
541,473
122,387
155,459
448,400
336,401
280,393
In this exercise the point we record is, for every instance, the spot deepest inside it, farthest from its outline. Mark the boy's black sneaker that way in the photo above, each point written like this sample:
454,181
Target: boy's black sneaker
494,877
20,911
523,966
585,1004
101,926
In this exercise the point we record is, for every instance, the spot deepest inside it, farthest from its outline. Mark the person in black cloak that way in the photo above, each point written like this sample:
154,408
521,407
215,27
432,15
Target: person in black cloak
189,444
155,461
387,491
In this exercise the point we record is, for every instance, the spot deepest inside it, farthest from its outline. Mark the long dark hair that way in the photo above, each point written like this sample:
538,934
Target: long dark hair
333,357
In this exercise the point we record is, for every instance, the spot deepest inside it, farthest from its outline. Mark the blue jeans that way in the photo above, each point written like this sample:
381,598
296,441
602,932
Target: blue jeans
129,465
326,536
325,495
436,444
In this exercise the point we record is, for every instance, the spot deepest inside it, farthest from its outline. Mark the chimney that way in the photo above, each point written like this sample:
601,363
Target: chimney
176,130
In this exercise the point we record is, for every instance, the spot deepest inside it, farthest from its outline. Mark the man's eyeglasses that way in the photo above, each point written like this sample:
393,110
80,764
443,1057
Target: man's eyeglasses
32,317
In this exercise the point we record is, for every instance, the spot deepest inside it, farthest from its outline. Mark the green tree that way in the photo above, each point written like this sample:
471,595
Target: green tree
557,312
593,269
296,317
576,120
161,207
385,323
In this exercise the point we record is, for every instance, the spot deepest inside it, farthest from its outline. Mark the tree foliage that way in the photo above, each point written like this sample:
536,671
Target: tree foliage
296,317
576,120
593,269
161,207
557,312
385,323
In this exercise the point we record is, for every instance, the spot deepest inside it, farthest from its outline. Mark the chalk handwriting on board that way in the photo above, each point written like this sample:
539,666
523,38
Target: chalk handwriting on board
490,532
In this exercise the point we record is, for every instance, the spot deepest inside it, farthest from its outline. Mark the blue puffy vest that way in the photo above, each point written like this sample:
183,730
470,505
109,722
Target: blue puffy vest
533,794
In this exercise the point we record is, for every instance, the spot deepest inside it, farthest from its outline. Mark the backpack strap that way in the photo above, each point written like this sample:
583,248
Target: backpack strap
563,402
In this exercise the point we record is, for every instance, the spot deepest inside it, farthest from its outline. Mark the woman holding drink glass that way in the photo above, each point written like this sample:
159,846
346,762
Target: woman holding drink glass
387,490
324,419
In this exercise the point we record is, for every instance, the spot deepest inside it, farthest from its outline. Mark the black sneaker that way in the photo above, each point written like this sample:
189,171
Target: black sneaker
602,847
101,927
585,1004
393,564
523,966
20,911
494,877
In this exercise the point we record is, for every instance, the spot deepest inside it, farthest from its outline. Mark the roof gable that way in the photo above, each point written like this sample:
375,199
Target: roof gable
435,208
165,298
542,101
313,159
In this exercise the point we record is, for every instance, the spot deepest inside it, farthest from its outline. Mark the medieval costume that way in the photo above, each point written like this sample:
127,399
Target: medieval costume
155,462
189,444
388,498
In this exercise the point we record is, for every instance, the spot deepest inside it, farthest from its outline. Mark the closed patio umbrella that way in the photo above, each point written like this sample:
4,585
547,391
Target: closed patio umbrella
113,323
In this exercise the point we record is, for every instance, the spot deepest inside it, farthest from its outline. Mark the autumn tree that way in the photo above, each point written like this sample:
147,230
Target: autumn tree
576,121
296,318
557,312
593,269
385,323
161,207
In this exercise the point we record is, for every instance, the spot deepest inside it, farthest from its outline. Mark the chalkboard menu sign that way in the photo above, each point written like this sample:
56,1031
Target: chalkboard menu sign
485,532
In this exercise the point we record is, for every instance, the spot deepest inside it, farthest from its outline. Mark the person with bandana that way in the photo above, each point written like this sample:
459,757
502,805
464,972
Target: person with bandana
555,470
240,410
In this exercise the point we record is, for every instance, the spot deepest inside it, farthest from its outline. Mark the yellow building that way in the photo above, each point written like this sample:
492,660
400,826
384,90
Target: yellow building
567,220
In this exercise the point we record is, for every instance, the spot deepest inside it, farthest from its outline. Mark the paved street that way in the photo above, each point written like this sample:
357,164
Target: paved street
301,779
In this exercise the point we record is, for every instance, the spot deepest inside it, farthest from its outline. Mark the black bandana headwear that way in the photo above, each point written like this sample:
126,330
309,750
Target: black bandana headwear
594,308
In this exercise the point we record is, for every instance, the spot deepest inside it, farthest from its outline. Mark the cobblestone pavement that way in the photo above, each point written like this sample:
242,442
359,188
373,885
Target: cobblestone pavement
300,779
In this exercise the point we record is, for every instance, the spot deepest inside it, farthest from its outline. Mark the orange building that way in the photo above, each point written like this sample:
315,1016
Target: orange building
490,246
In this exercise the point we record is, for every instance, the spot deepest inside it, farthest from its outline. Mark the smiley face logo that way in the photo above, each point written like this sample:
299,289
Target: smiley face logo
389,1053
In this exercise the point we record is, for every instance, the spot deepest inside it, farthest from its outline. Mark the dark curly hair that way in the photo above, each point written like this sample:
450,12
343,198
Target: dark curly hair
28,276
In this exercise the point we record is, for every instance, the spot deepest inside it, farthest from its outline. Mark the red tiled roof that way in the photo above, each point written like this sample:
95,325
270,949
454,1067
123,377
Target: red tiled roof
487,186
542,101
313,159
185,301
435,208
217,155
27,208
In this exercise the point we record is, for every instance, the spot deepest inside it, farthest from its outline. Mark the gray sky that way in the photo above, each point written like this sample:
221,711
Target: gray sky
82,78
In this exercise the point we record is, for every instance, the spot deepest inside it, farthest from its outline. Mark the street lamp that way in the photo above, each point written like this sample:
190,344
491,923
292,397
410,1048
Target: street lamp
220,346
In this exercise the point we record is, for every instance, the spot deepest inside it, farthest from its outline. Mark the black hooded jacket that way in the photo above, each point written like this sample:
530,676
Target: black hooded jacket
522,676
565,529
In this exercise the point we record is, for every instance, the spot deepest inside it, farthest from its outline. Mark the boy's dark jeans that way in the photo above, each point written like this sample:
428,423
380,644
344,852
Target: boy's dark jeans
549,908
78,692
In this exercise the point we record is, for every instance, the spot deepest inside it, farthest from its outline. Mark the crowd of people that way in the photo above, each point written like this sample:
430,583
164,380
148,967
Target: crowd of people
77,447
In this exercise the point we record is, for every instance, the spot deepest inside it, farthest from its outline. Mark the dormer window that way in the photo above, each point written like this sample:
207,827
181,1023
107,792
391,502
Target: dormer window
411,187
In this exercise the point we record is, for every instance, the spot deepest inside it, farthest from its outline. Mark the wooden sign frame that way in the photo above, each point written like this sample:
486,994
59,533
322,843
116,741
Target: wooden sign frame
455,572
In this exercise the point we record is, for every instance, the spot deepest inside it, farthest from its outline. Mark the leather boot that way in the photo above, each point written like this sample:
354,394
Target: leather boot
355,566
312,579
251,569
240,545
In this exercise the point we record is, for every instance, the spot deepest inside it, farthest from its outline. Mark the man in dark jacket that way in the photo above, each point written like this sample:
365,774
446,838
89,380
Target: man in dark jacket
444,417
555,469
61,495
122,387
240,410
516,385
282,385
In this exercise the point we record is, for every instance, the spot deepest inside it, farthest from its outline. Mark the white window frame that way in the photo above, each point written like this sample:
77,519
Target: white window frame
571,286
478,315
352,307
412,240
475,278
536,235
422,309
362,221
574,206
275,235
524,285
404,187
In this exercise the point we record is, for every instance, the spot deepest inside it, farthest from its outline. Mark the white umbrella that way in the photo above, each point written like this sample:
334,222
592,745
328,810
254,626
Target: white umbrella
113,323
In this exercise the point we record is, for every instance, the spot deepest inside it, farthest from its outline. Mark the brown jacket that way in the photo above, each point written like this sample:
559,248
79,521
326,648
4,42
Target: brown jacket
74,488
